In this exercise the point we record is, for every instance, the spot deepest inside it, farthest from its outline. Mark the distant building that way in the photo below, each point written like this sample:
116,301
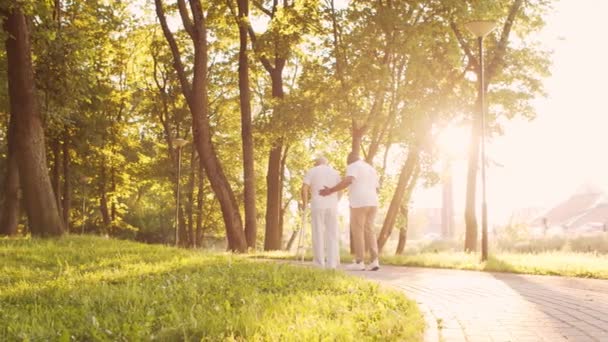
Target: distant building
583,212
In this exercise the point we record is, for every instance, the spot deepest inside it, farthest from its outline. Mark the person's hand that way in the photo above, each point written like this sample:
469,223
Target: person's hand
325,191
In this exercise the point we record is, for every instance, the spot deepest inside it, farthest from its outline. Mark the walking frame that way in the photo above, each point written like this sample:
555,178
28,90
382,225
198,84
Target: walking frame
300,247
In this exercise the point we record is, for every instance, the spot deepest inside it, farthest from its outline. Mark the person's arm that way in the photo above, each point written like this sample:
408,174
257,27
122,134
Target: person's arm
304,194
344,183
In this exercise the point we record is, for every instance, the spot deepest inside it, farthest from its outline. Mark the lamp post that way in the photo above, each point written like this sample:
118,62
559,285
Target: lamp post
481,28
179,143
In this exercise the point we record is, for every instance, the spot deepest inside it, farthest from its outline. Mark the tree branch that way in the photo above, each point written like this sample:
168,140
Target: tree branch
263,59
261,7
183,12
463,44
177,59
504,40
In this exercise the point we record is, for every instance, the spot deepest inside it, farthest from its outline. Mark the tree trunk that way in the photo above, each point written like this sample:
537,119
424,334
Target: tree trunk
292,239
103,200
113,213
190,202
378,132
56,171
39,199
246,127
272,239
67,196
405,179
197,99
447,199
403,230
200,205
470,217
274,184
357,133
9,217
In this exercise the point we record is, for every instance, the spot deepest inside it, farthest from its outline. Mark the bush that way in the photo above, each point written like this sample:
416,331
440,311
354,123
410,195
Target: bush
94,289
597,242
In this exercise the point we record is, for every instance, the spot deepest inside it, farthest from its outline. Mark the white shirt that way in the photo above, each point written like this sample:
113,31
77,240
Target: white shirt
318,177
362,191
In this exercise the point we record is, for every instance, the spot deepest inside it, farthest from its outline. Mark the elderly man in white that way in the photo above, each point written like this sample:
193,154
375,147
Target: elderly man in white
324,213
362,182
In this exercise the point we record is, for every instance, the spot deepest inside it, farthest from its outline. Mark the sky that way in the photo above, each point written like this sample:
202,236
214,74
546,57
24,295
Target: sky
565,147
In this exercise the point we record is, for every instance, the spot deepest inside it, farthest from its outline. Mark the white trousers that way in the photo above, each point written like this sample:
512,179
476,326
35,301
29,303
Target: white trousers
325,239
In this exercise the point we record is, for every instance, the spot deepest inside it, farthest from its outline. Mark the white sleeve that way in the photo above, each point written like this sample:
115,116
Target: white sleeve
337,177
351,171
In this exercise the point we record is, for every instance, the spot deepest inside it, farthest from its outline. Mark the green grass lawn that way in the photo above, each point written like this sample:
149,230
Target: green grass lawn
88,288
587,265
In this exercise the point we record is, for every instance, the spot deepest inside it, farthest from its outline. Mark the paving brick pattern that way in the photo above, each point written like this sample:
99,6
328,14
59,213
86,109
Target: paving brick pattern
494,307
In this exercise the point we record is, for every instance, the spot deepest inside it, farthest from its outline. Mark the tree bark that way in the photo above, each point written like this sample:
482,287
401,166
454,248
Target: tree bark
103,199
197,99
405,179
190,202
56,171
403,230
246,127
274,186
272,238
39,199
9,217
200,205
67,196
292,239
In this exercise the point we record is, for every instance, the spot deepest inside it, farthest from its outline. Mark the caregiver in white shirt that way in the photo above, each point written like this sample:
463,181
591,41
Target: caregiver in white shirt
362,182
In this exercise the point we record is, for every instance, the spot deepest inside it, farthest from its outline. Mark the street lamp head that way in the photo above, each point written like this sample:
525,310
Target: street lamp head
480,28
179,142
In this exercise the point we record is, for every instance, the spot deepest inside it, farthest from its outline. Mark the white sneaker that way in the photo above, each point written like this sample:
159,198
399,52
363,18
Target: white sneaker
374,266
356,266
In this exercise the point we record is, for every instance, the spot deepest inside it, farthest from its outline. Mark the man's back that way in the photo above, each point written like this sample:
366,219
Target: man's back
318,177
363,189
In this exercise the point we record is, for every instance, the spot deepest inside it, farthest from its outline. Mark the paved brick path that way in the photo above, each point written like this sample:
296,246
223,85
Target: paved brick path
476,306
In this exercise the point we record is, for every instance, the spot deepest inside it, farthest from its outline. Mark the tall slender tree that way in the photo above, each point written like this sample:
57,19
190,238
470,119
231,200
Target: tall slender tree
195,92
246,125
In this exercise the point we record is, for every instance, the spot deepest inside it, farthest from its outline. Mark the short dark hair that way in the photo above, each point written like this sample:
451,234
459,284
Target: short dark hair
352,157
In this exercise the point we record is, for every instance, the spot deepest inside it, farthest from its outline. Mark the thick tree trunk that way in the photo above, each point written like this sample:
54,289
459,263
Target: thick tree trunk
246,127
39,199
67,196
405,179
470,217
9,217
